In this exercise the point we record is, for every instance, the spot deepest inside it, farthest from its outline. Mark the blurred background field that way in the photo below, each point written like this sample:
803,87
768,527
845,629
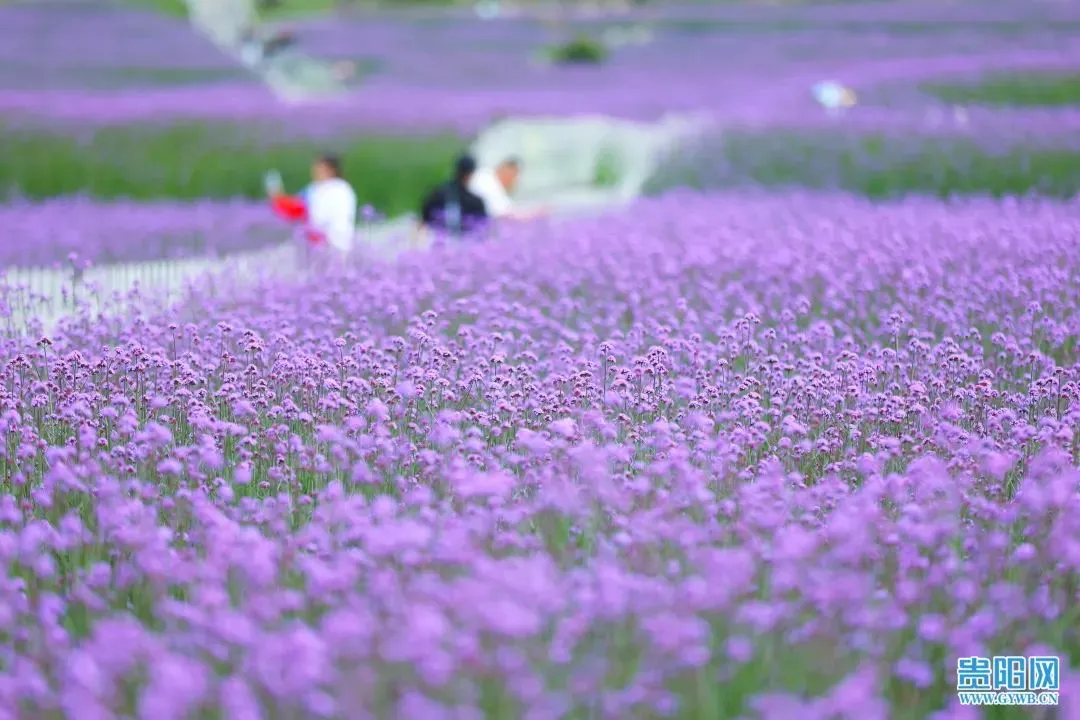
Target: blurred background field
119,103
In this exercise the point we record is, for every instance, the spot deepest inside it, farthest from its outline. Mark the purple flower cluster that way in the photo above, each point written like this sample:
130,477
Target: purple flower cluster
720,456
42,234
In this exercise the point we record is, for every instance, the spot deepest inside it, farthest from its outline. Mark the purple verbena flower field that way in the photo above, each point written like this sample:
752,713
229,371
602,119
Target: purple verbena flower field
43,234
743,454
724,456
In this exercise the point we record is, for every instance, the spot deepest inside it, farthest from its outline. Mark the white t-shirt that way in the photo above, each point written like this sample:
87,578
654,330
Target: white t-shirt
331,206
485,184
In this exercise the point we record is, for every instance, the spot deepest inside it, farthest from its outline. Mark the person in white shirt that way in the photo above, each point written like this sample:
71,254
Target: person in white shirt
327,208
496,185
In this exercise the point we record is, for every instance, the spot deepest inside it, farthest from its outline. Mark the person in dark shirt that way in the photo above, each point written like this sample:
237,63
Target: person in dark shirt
451,207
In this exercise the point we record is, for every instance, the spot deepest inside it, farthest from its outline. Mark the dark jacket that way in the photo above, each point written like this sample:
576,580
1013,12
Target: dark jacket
439,207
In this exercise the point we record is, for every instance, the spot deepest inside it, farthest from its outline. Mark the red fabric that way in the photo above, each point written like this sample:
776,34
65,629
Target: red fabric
294,210
290,208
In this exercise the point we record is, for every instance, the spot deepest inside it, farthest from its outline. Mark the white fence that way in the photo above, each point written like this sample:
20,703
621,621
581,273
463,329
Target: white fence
35,298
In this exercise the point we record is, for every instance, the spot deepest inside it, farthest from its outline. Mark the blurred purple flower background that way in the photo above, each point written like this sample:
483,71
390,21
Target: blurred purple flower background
39,234
744,64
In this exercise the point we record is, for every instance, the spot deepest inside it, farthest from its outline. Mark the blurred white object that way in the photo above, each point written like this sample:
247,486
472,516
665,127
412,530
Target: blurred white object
833,96
534,143
344,70
234,27
485,184
331,206
641,36
488,9
631,35
224,22
560,155
251,54
615,37
273,183
960,116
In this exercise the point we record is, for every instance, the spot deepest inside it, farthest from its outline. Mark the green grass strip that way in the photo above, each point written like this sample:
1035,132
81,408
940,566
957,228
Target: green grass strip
191,161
